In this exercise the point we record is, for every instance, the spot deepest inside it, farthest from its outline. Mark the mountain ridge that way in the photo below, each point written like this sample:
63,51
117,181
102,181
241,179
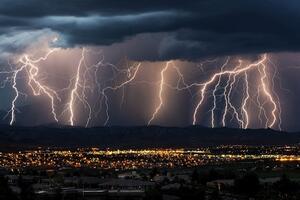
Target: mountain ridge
20,137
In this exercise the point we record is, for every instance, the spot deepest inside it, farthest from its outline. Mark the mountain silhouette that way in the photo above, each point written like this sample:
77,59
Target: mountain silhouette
138,137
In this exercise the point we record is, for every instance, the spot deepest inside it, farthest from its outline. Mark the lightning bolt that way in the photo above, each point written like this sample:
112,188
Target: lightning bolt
13,104
231,75
161,86
84,75
74,91
131,76
227,94
214,94
245,101
34,83
162,83
268,95
86,82
231,105
259,64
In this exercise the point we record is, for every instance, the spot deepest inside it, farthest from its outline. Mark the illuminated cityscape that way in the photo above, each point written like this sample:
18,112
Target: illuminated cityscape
145,159
88,173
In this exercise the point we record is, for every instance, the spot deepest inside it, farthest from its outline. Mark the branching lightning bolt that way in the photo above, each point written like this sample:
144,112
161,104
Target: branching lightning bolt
220,86
130,76
34,83
241,114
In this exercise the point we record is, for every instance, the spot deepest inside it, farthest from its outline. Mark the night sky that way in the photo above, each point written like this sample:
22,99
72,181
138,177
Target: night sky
117,62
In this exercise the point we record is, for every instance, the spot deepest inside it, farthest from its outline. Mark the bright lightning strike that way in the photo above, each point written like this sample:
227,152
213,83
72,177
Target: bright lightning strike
37,87
74,91
161,85
131,76
220,88
240,113
259,65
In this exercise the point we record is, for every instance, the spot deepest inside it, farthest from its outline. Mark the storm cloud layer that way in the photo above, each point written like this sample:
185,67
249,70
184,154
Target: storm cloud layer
183,30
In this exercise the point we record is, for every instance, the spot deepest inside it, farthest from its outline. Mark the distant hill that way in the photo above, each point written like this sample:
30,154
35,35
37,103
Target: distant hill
138,137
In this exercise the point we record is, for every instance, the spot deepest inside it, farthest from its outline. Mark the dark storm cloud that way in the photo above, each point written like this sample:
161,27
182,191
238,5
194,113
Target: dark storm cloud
38,8
189,29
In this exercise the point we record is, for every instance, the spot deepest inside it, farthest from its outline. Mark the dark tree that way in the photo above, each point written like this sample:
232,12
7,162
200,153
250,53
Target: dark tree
285,186
58,194
27,192
153,172
247,185
153,194
215,195
210,176
5,191
191,193
195,177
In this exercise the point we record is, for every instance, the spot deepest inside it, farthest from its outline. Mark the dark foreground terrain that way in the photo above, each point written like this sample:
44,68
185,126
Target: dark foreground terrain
148,163
139,137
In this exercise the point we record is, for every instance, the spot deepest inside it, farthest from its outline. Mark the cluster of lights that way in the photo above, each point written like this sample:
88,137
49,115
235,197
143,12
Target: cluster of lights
145,158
